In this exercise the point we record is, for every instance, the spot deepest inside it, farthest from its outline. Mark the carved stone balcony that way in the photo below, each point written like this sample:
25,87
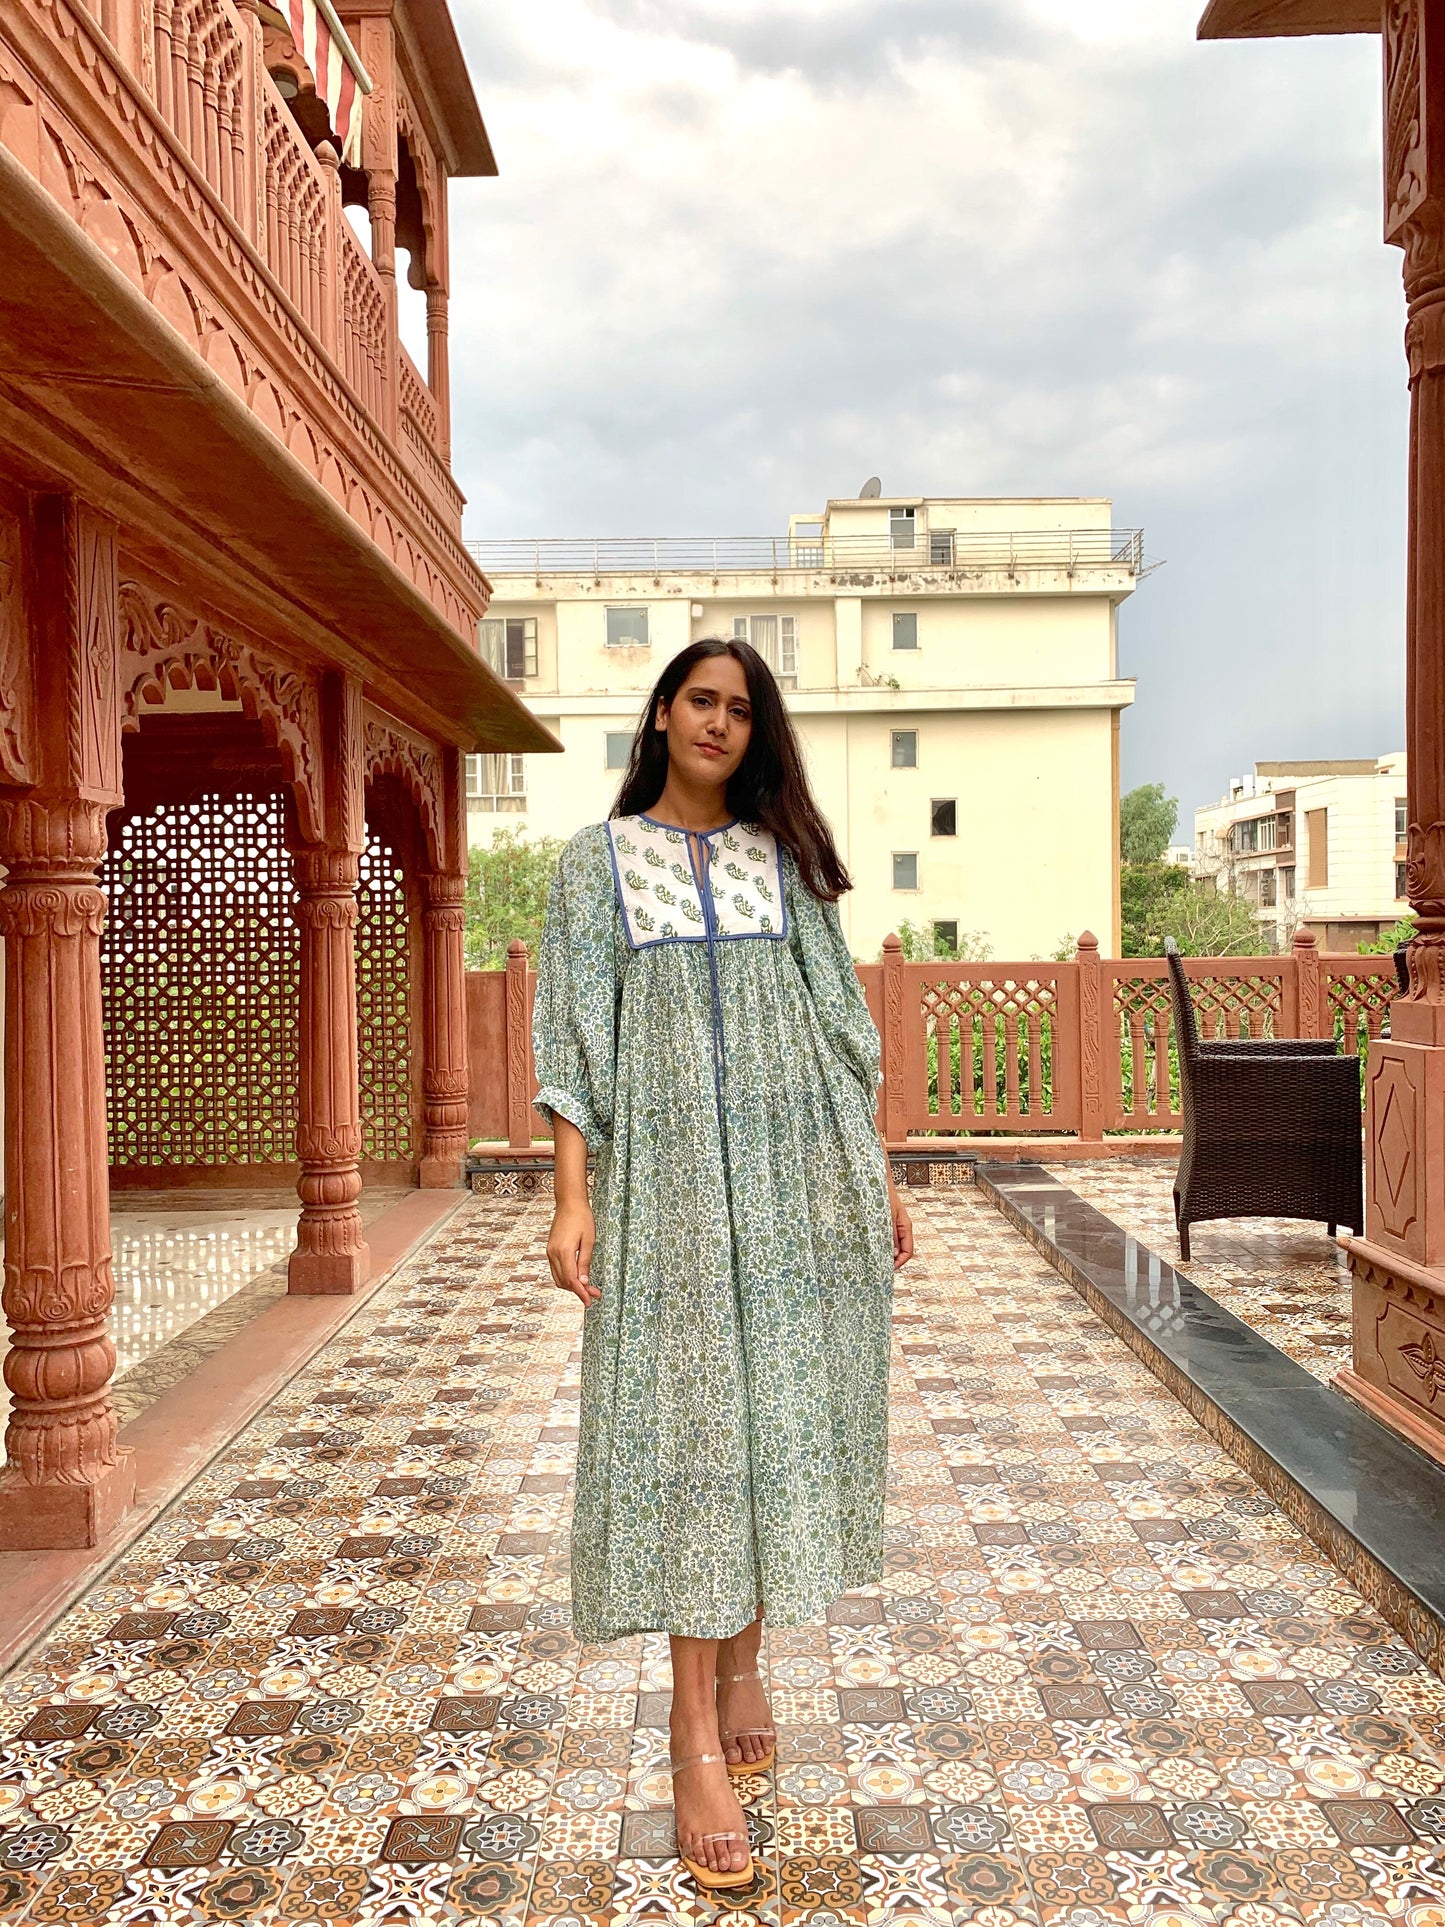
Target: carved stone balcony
182,284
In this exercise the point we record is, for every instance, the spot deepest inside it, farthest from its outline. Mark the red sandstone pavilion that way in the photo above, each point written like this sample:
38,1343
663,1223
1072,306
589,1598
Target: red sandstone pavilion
238,672
1398,1267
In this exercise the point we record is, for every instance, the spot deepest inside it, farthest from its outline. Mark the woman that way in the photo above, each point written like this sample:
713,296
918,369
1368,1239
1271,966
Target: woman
700,1027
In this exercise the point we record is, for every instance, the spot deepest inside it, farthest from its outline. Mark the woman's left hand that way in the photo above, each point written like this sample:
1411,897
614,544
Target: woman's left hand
902,1231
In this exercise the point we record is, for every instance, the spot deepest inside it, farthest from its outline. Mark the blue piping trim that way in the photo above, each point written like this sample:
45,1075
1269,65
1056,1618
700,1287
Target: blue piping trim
709,917
658,824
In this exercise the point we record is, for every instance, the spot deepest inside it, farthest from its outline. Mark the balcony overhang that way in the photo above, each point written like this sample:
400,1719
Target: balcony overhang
450,84
1277,19
98,393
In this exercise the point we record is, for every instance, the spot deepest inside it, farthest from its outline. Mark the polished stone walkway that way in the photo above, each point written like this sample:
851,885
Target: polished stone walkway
1284,1279
192,1268
1103,1680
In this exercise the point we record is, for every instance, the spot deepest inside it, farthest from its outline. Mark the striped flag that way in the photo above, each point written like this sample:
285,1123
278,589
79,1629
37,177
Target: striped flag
340,78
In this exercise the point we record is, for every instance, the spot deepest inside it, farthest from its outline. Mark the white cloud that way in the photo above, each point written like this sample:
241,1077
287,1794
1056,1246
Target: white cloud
742,255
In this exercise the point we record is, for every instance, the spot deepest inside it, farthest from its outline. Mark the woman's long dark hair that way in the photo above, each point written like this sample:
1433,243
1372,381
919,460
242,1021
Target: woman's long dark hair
769,787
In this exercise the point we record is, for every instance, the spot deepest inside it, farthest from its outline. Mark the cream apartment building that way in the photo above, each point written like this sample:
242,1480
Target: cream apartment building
951,664
1313,844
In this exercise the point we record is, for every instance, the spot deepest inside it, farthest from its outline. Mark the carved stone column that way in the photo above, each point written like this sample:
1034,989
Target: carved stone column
66,1481
1398,1266
444,1068
439,378
331,1253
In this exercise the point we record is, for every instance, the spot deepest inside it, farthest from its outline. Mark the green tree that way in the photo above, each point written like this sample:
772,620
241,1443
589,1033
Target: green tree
922,941
1147,896
1403,932
507,885
1207,923
1147,818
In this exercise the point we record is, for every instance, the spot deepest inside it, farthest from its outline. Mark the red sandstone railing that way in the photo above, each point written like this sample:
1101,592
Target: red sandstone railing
199,65
1081,1049
364,325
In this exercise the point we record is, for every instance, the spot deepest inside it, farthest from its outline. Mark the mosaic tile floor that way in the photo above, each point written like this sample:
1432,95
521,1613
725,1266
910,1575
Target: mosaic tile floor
1285,1279
1103,1680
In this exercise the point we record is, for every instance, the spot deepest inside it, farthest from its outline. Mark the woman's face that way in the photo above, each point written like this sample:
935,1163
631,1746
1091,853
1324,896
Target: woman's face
709,722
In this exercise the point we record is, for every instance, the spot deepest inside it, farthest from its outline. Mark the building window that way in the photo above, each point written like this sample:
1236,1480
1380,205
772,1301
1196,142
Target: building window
1284,829
1402,821
776,640
1401,888
619,748
496,783
905,629
1268,886
509,645
905,749
944,811
902,528
940,555
945,935
1286,882
627,629
905,869
1317,835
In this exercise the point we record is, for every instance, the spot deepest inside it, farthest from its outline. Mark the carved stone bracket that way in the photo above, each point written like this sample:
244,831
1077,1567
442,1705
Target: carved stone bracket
163,645
15,754
392,751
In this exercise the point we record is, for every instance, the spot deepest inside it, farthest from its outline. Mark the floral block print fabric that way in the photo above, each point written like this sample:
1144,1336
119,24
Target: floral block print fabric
657,882
734,1376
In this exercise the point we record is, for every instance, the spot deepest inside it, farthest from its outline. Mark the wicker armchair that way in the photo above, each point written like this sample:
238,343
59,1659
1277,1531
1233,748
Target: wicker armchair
1272,1126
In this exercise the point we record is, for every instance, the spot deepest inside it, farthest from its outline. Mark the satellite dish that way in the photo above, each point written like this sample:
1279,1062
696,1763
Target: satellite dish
870,490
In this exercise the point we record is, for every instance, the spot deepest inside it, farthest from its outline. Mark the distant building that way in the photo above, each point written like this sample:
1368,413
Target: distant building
951,665
1318,844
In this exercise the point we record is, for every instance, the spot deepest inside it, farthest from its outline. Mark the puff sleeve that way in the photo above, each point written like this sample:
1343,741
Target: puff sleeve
816,936
574,1018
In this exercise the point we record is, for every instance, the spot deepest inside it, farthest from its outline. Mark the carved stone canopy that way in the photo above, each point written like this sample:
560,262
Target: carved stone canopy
1270,19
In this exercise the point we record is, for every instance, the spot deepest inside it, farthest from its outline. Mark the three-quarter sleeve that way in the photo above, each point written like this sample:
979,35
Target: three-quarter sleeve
574,1018
816,936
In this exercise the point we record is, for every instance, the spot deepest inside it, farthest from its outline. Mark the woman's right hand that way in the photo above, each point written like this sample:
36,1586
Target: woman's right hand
569,1250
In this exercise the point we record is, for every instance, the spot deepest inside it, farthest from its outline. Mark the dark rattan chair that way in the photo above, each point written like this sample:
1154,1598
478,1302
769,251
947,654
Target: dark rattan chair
1271,1125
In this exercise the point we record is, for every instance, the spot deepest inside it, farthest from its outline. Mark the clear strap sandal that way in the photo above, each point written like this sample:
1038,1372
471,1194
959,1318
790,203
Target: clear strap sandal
707,1876
740,1769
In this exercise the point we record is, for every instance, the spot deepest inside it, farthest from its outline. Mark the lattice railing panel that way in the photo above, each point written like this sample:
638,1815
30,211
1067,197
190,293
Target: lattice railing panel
1359,1004
1224,1007
199,979
383,1004
989,1052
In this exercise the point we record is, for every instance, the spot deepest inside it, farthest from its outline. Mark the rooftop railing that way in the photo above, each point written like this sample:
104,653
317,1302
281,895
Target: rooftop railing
933,552
1080,1048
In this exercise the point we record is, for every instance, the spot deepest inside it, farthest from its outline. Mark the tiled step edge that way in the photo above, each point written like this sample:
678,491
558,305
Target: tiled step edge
1369,1501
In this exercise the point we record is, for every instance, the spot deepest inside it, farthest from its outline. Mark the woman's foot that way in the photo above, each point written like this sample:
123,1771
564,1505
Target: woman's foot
742,1706
702,1797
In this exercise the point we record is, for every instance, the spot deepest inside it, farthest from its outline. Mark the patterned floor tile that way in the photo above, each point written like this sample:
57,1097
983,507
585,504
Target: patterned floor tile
1102,1679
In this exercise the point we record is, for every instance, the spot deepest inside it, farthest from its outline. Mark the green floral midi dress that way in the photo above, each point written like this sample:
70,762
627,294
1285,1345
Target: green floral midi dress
714,1047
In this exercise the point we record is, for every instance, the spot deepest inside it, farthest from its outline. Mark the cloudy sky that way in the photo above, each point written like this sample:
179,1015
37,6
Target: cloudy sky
744,253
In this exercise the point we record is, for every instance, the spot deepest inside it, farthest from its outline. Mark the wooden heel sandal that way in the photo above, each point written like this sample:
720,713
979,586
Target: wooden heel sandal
706,1876
740,1769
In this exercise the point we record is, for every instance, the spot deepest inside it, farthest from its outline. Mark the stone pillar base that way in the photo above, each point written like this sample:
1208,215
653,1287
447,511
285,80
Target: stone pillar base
327,1274
439,1173
1399,1344
64,1518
